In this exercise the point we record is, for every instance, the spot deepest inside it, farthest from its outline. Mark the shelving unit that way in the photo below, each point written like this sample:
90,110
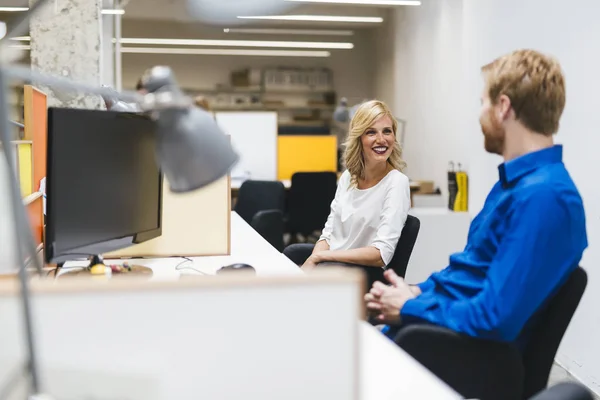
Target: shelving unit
303,98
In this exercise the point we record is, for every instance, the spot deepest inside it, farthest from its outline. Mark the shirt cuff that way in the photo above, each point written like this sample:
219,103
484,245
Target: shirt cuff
412,309
426,286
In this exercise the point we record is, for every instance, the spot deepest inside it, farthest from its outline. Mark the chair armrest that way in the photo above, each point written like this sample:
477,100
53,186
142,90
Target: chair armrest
474,368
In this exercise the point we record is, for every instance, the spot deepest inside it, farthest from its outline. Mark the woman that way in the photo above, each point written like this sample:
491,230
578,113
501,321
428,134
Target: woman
372,199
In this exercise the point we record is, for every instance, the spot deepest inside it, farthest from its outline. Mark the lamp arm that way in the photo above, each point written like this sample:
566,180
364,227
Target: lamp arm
161,99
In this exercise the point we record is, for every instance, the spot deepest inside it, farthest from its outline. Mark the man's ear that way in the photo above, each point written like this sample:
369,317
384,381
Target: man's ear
504,107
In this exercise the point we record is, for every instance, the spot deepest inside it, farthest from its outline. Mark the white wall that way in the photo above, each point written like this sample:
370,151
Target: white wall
441,47
353,69
562,31
427,57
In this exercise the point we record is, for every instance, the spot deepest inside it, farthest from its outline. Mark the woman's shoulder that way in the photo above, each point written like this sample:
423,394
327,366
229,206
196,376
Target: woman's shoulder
345,177
395,177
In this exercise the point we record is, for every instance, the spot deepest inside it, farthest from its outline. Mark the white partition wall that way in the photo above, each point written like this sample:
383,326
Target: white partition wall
224,337
254,137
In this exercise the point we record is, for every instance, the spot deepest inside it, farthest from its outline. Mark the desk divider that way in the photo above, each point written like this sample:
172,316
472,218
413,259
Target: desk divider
222,337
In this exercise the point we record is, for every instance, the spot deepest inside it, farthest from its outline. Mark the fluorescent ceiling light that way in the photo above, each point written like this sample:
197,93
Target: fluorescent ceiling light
365,2
225,52
113,12
21,9
257,31
238,43
13,9
20,46
21,38
315,18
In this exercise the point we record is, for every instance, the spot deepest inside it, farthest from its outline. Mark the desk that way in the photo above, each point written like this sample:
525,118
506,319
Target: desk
387,372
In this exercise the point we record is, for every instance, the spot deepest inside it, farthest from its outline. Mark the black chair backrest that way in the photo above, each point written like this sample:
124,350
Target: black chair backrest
309,201
405,246
255,196
548,332
565,391
269,224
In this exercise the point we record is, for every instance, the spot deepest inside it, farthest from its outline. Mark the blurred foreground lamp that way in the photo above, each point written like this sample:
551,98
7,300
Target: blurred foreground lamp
191,148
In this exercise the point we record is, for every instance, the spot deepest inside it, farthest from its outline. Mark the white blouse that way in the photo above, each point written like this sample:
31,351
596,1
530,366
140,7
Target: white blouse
368,217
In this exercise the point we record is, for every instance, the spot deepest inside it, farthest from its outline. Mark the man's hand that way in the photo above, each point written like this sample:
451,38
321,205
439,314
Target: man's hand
385,302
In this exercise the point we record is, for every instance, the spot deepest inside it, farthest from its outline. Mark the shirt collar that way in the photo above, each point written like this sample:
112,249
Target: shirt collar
512,170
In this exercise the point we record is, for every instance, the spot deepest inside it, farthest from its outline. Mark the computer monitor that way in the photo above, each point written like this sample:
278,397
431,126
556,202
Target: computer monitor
103,185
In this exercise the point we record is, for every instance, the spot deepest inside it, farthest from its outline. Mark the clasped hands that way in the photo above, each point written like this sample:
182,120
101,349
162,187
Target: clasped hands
385,302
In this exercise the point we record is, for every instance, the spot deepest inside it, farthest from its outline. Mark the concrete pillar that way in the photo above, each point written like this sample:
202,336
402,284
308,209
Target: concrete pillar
66,40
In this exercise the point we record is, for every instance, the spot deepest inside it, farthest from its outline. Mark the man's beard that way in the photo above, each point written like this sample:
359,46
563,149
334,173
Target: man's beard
493,134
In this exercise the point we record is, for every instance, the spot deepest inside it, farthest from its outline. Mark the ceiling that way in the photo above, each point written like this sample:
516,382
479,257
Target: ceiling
177,10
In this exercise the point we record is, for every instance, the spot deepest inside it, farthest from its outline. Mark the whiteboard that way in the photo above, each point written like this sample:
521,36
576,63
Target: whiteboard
254,137
224,337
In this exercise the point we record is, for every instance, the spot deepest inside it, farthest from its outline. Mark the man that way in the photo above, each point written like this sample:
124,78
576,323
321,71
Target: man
530,234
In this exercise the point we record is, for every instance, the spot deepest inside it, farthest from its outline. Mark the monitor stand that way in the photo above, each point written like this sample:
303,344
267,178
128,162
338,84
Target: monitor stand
97,267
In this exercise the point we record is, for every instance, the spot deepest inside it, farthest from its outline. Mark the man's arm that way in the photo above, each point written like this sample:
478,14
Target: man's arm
545,241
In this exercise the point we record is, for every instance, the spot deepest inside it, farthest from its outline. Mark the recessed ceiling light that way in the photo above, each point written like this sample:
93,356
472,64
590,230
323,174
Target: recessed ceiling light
316,18
308,32
238,43
225,52
365,2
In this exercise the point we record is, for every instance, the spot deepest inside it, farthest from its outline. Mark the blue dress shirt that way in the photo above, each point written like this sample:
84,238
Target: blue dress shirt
525,242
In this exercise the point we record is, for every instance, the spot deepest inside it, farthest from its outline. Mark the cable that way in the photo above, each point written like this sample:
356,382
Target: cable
186,260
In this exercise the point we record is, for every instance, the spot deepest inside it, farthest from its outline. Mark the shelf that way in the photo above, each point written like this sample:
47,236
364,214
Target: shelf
31,198
273,108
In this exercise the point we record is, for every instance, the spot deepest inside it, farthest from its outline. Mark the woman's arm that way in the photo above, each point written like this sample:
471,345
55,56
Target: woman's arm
368,256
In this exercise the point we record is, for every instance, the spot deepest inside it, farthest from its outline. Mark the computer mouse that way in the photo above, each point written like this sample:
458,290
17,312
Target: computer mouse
236,267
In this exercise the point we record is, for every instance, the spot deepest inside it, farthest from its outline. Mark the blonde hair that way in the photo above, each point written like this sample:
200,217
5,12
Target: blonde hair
535,85
366,115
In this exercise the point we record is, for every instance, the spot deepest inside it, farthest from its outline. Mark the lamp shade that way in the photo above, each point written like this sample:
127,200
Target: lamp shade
227,11
191,149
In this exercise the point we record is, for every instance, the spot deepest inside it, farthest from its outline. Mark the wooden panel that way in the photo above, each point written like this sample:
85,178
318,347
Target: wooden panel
306,154
36,130
193,224
34,204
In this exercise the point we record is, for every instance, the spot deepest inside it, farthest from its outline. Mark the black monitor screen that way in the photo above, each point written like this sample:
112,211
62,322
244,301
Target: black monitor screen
103,185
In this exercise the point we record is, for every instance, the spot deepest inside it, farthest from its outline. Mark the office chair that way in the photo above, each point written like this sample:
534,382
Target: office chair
309,202
255,196
565,391
269,224
405,246
493,370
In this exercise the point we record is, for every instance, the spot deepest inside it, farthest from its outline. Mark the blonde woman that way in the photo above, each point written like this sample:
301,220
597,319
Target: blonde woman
372,199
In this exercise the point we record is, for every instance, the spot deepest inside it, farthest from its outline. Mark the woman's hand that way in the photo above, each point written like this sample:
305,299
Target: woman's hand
311,262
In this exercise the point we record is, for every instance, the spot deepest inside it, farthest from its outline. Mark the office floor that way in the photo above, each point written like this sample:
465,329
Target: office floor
558,374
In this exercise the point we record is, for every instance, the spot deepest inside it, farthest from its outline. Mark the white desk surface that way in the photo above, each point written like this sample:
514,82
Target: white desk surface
387,372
